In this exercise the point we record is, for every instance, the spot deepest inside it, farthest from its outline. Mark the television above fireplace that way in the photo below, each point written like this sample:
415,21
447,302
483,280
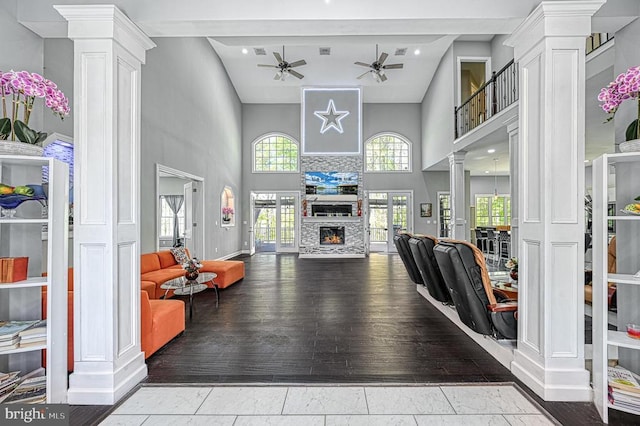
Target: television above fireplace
331,183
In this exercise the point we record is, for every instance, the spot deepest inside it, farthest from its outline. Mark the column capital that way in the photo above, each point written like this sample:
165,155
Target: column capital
513,125
564,18
91,22
457,157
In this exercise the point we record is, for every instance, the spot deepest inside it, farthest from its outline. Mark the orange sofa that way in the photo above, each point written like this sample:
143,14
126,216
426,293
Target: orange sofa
160,266
160,320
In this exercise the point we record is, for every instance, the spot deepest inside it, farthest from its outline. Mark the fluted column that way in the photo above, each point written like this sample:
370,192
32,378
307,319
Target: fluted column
514,171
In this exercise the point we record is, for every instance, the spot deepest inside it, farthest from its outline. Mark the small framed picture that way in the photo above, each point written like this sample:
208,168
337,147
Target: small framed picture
425,209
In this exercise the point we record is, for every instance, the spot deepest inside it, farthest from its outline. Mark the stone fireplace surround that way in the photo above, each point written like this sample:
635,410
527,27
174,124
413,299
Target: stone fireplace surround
354,236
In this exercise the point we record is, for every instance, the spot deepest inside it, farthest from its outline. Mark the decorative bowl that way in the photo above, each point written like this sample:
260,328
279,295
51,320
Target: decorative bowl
633,331
630,146
9,202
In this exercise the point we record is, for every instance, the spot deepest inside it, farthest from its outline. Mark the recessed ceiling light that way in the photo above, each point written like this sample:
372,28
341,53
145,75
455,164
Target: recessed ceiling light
416,52
244,51
327,1
491,151
486,172
586,161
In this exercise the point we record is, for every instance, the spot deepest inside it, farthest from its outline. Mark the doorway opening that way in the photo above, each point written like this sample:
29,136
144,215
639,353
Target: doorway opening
389,214
180,209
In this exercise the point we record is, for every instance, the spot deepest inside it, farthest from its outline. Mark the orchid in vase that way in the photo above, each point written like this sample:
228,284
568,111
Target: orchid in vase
625,86
226,213
18,93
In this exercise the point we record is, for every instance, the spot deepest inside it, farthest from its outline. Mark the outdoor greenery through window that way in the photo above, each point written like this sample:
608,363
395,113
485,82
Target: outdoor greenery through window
387,153
493,210
166,219
275,153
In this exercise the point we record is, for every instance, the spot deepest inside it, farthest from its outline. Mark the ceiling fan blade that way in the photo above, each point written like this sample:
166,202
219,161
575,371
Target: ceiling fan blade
278,57
363,74
383,57
267,66
298,63
296,74
383,77
362,64
393,66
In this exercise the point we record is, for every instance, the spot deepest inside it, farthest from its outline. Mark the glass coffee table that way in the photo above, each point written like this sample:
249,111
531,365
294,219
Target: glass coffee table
181,286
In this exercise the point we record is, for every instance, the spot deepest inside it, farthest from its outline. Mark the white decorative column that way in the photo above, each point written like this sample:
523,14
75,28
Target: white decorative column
459,224
108,54
549,47
514,171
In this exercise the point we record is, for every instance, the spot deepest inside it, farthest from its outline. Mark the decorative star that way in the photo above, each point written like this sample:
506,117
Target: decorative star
331,118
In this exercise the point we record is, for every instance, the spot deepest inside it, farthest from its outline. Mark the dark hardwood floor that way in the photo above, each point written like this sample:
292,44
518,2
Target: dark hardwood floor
328,321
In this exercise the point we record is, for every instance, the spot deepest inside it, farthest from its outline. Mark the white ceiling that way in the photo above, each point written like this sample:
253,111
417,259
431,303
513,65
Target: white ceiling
407,85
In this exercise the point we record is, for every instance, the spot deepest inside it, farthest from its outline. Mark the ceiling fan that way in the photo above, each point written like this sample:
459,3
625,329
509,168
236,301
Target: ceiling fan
284,67
377,67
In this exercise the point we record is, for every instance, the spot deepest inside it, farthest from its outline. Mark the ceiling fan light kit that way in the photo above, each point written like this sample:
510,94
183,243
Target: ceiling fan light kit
285,68
378,67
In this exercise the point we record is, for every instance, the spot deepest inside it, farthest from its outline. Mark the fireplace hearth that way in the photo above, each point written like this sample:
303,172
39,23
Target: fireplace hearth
331,235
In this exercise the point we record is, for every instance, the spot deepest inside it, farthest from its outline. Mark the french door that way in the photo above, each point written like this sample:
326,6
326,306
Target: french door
275,221
389,213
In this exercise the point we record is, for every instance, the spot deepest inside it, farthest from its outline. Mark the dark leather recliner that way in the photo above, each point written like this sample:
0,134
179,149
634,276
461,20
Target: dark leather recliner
482,308
422,250
401,241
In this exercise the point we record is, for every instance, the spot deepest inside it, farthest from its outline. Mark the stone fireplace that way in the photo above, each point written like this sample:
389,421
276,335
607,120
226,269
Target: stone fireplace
330,225
330,235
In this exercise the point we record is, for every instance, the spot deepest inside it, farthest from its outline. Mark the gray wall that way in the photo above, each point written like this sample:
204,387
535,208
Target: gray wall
500,54
437,113
20,49
58,67
486,184
403,119
191,121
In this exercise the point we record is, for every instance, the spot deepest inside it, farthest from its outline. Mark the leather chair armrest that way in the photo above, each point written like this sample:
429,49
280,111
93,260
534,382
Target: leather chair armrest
503,307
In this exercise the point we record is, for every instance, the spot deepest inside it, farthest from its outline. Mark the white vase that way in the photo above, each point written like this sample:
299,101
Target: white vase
630,146
20,148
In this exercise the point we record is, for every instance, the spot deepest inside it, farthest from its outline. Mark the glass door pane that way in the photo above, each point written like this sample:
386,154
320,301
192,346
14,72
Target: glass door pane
286,238
264,226
378,221
444,214
400,222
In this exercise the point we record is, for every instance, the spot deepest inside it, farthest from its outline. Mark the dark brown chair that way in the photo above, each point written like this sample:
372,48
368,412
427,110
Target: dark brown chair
482,308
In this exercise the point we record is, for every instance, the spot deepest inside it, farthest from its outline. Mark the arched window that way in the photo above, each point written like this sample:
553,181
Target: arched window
387,152
275,152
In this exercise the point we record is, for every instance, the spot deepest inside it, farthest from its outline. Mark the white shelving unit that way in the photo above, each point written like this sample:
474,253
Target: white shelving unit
602,336
13,169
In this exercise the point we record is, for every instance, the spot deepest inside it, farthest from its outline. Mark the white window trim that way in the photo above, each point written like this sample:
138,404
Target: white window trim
475,196
396,135
268,135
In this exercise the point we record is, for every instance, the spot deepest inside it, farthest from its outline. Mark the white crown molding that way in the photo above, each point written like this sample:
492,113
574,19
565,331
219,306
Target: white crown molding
105,22
564,18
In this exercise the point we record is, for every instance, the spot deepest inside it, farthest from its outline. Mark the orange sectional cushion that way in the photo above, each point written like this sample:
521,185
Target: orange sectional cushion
149,287
168,321
149,262
162,275
228,271
166,259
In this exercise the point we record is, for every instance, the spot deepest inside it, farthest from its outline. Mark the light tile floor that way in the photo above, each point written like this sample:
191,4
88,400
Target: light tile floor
467,405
